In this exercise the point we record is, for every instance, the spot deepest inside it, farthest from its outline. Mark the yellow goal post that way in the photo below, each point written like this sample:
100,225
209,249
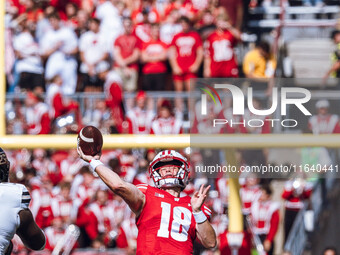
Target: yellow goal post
247,141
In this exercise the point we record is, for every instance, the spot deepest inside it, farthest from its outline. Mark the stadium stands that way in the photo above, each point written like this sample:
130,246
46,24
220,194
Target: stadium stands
56,56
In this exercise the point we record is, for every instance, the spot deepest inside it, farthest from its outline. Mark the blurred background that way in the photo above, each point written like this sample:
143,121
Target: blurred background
129,67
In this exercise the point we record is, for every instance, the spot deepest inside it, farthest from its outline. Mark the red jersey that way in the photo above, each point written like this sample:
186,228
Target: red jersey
245,248
55,101
324,124
294,198
249,195
52,237
186,45
153,16
143,33
219,46
154,48
166,224
265,217
38,120
62,207
232,7
114,96
103,216
84,193
41,207
185,9
141,120
126,45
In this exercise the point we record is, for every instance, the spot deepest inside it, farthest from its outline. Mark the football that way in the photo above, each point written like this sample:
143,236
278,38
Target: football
90,140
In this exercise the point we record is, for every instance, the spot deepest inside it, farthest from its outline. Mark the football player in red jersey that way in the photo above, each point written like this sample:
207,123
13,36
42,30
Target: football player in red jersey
167,223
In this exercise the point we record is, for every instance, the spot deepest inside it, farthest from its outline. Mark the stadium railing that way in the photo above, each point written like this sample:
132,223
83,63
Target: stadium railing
299,236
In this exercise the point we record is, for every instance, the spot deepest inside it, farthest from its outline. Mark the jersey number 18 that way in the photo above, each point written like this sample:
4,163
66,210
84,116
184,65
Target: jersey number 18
180,224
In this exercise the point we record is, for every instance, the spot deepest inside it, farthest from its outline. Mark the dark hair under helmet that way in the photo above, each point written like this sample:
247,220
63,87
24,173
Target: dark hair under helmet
4,166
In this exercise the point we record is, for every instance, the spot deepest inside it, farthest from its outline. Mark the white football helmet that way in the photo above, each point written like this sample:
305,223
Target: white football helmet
169,158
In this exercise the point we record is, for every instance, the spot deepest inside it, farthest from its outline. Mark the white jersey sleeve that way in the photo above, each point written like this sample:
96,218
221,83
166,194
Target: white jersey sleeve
13,199
25,198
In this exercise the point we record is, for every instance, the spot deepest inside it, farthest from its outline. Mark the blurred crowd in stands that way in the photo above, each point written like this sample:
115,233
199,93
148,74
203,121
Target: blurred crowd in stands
57,48
81,40
63,47
64,191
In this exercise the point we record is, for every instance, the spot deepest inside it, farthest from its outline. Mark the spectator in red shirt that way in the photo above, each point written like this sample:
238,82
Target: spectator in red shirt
186,55
225,244
141,115
37,115
71,10
57,103
63,205
54,233
154,55
143,30
86,189
220,60
185,8
250,193
146,8
32,12
266,218
235,11
100,217
45,166
41,203
113,91
166,123
60,5
324,122
295,193
126,54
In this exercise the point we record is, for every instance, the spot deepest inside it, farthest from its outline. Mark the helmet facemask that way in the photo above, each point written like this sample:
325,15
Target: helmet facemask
4,167
180,179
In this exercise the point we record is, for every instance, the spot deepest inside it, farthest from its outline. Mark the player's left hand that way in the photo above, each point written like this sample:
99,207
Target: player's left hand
84,157
198,198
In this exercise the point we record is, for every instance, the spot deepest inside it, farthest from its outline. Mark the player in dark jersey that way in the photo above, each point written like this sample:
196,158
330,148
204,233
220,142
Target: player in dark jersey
167,223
